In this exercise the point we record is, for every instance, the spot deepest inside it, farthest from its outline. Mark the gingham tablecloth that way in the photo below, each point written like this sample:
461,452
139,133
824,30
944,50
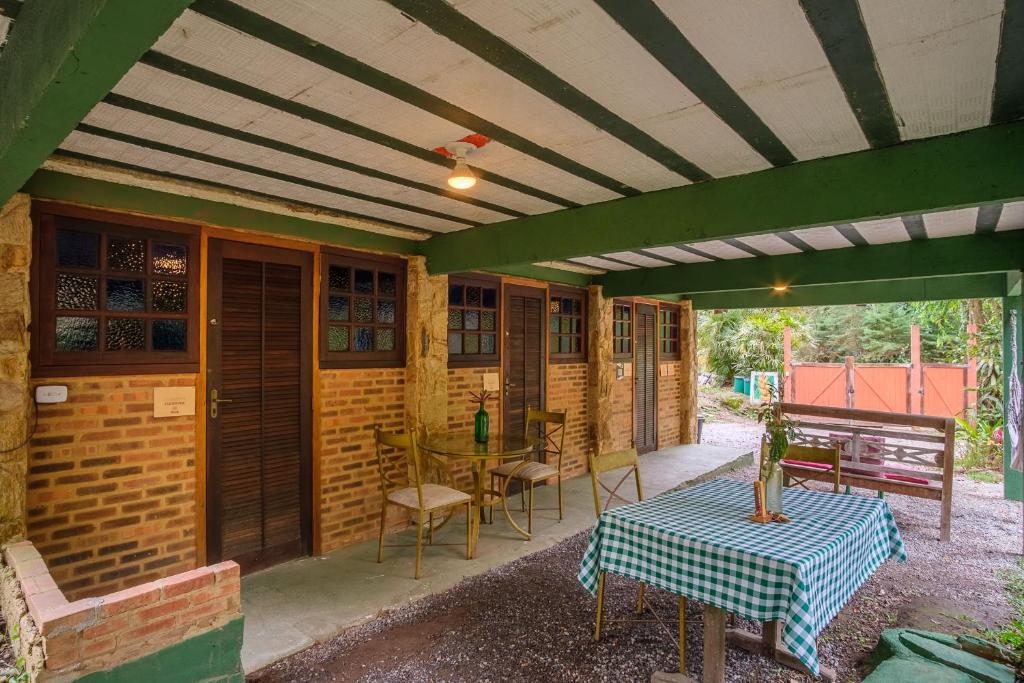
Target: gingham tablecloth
699,543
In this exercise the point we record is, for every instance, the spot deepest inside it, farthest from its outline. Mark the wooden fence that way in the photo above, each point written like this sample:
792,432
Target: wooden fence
940,389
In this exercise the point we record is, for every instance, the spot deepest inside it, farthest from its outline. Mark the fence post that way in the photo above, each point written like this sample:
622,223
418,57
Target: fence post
915,370
971,393
849,381
787,364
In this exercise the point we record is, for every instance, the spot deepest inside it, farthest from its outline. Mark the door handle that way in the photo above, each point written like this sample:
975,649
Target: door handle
214,402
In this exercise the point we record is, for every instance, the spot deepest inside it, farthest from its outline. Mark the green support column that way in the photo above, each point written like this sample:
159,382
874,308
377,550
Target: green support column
1013,326
62,58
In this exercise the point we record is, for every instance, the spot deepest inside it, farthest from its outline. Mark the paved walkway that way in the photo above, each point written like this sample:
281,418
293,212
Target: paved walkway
295,605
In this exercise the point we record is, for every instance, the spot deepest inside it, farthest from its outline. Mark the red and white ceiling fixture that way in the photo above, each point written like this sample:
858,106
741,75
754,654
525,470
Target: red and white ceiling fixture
462,177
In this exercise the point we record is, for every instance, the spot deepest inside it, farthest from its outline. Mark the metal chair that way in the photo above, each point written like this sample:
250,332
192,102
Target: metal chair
599,464
421,498
529,473
816,458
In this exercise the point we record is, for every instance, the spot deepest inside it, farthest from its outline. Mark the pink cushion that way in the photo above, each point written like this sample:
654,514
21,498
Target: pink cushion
812,465
870,450
907,478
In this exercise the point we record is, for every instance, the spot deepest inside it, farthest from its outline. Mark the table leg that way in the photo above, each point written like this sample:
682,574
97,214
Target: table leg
477,468
714,644
770,644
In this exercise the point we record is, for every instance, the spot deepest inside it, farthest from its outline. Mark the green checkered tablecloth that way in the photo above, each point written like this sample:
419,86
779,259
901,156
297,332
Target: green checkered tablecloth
699,543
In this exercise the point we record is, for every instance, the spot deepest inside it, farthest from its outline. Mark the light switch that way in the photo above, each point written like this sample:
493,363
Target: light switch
51,394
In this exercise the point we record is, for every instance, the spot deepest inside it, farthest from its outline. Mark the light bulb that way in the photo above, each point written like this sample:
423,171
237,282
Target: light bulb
461,178
780,288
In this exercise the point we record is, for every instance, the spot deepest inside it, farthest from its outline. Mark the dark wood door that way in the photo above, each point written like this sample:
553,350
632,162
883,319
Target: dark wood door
645,376
524,355
259,428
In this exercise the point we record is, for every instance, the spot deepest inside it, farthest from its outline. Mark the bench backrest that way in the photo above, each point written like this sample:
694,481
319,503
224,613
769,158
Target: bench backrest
876,443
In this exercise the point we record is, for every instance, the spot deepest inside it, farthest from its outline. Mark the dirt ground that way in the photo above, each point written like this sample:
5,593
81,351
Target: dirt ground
531,620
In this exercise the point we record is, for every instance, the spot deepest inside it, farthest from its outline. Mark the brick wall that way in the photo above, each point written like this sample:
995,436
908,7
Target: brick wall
622,413
351,402
668,404
111,489
462,409
99,633
567,391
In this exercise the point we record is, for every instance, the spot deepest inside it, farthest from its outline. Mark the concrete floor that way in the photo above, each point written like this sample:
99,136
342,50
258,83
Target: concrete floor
295,605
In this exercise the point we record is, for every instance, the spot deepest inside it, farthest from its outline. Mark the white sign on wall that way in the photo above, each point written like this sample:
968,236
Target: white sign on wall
174,401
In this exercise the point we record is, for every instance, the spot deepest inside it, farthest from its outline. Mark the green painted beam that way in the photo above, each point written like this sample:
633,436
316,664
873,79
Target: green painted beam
988,253
966,169
882,291
564,277
100,193
1013,283
62,58
1013,336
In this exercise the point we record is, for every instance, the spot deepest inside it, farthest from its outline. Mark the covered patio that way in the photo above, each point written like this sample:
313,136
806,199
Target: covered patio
254,253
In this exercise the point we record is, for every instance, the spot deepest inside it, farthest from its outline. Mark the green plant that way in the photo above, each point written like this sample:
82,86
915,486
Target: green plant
1012,633
21,674
737,342
980,449
779,430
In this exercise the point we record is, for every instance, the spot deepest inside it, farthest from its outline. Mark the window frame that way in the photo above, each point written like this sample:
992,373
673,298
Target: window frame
663,327
338,360
46,361
477,360
624,355
573,356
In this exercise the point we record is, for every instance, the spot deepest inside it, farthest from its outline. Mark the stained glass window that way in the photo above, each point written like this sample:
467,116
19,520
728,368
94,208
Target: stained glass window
622,330
472,321
567,324
668,331
362,305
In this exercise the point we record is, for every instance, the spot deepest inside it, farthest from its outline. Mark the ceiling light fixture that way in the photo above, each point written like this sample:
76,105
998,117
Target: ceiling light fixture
780,288
462,177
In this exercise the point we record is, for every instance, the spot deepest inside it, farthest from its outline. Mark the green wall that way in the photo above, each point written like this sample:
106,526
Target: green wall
211,657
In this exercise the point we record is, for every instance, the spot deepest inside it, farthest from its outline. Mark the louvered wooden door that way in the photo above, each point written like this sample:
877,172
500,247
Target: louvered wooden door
524,355
259,358
645,374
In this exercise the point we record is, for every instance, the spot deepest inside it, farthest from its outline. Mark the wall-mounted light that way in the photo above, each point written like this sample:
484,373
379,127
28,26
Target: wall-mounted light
462,177
780,288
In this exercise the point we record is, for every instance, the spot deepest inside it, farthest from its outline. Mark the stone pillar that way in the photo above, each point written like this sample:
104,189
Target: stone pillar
426,367
601,370
15,312
688,407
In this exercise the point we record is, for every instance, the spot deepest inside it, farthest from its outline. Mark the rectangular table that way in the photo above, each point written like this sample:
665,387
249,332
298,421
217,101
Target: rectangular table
699,543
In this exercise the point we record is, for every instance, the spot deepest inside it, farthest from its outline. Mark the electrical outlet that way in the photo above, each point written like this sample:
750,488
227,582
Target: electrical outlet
51,394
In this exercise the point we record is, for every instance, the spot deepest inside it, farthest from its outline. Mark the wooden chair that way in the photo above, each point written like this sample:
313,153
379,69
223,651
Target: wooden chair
552,429
813,458
599,464
418,497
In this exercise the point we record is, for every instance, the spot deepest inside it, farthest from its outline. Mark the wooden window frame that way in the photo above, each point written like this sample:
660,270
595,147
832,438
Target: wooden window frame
629,338
478,360
46,361
669,331
336,360
580,356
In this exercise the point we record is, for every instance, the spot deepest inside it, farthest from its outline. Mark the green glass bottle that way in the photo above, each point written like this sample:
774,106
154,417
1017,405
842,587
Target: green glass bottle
481,425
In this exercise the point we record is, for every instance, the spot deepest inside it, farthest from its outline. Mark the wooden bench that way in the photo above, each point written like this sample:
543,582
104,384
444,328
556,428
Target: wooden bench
896,453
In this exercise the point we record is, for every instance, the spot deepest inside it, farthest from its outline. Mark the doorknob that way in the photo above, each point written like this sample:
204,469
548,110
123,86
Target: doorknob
214,402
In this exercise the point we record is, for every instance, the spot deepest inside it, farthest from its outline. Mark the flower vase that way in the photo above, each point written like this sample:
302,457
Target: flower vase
481,425
773,485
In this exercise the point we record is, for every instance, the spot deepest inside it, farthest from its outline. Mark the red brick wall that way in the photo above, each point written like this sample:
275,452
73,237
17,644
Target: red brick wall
111,489
96,634
668,403
462,408
351,402
567,391
622,412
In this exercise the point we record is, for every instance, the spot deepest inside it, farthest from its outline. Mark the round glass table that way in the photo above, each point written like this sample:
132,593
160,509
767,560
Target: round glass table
499,448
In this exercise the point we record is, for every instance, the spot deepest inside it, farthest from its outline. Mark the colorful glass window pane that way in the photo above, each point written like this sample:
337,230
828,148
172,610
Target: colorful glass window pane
487,320
337,338
170,259
77,249
125,334
490,297
340,278
364,339
77,334
337,307
169,335
385,338
386,312
487,343
472,320
170,296
126,256
126,295
455,295
472,344
387,284
77,292
364,281
362,311
473,296
455,342
454,319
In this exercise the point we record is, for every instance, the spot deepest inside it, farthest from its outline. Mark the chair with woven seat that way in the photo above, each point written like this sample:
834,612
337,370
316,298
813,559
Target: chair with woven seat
529,473
413,494
811,458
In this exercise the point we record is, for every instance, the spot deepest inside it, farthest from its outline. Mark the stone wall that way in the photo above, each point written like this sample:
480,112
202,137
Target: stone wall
99,634
15,314
688,374
111,489
351,403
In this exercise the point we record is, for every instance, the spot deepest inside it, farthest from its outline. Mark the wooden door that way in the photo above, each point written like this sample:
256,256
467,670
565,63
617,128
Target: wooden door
524,355
259,428
645,375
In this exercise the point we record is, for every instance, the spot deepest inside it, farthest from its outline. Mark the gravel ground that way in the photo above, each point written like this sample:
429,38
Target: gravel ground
531,621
